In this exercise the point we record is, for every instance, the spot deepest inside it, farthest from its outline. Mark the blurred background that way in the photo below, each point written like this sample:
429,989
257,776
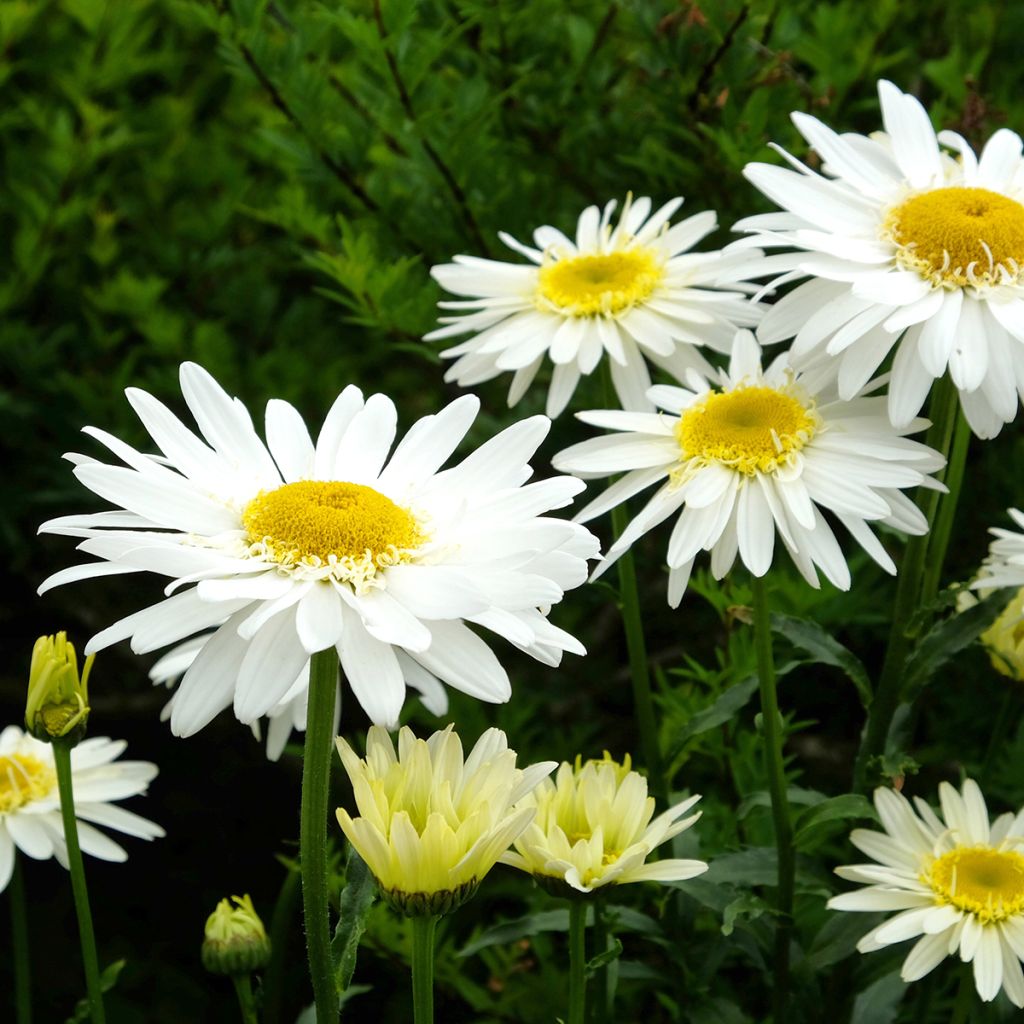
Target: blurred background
262,188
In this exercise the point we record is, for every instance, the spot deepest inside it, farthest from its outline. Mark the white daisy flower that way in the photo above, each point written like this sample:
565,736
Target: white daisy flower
633,291
758,452
957,880
295,547
1004,564
30,819
905,245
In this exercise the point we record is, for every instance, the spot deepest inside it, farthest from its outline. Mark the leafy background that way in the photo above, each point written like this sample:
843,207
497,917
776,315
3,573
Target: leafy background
263,188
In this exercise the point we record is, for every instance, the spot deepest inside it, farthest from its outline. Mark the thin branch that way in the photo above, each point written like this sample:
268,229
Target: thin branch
709,68
354,102
443,169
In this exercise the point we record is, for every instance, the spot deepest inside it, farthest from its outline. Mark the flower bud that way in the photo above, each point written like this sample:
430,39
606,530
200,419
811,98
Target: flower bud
236,941
58,700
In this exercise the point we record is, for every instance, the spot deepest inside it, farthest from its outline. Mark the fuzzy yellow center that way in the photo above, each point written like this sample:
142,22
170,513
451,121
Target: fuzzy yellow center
316,523
23,778
592,285
959,236
750,429
981,881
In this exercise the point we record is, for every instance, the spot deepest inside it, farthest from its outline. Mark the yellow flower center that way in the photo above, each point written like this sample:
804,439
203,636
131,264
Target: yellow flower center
23,778
985,882
349,529
956,237
752,430
592,285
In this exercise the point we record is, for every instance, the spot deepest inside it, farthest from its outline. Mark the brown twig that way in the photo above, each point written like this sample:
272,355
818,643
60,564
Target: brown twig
723,47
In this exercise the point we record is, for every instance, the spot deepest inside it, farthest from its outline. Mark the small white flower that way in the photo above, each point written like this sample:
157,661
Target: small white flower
30,818
763,452
1004,564
958,882
904,244
295,547
631,291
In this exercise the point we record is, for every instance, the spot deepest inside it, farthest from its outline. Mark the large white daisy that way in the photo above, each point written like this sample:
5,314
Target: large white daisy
958,882
295,547
751,454
30,819
903,243
632,290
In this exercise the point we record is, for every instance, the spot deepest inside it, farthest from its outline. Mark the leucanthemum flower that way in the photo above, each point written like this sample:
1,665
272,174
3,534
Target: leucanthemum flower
295,547
30,818
957,881
594,828
1004,564
432,822
631,291
752,454
902,240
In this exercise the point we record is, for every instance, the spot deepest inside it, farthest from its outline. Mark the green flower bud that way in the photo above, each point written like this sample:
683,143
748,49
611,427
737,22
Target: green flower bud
58,700
236,941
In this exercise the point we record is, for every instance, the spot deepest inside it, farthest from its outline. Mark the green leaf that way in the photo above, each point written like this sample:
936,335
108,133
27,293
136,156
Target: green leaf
108,979
722,710
520,928
839,808
356,899
611,954
825,649
837,940
746,906
880,1002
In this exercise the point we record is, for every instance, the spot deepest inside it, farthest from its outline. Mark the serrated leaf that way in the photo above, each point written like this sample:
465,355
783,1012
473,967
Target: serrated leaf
837,808
746,906
721,710
108,979
808,636
612,953
356,899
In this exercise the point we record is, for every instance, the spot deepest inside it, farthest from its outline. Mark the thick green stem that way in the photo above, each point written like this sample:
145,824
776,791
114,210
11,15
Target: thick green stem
316,782
246,1002
280,924
19,940
771,725
423,969
943,528
965,997
603,991
909,592
577,961
90,961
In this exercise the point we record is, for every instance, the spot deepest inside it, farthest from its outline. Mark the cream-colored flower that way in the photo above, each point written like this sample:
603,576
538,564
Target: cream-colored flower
432,823
235,941
593,828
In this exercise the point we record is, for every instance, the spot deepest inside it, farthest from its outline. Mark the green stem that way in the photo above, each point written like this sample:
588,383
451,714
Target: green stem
603,992
316,783
423,969
19,940
1001,729
909,591
246,1002
577,961
280,924
62,762
964,997
943,529
771,724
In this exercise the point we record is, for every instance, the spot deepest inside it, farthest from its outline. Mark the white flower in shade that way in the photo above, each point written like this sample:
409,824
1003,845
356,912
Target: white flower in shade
904,244
764,452
631,291
30,819
432,822
957,880
296,547
1004,564
593,827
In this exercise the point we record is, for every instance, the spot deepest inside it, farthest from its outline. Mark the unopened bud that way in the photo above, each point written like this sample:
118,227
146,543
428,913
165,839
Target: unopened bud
236,941
58,700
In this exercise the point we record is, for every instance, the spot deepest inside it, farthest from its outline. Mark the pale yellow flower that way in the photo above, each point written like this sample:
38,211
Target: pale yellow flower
594,827
1004,639
57,705
235,941
432,823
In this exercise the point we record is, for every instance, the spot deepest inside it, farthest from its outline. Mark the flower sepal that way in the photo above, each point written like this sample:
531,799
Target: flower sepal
429,904
236,941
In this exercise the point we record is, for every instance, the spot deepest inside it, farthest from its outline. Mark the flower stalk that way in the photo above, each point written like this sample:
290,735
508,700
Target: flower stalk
19,941
246,1000
423,928
316,780
577,961
771,724
62,761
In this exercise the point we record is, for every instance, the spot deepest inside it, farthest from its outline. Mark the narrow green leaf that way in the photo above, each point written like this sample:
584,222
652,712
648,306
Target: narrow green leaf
520,928
839,808
880,1002
108,979
356,899
612,953
746,906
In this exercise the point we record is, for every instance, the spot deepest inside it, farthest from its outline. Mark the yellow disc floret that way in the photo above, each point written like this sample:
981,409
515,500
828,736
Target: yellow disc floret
350,529
23,778
752,429
956,237
599,284
980,880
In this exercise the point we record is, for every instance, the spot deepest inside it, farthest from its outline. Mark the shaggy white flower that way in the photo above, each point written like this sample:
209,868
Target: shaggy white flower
630,291
761,453
902,240
957,880
30,817
296,547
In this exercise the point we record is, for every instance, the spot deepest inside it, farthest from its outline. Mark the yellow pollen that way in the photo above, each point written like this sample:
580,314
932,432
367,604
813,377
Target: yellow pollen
317,523
956,237
594,285
749,429
23,778
979,880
